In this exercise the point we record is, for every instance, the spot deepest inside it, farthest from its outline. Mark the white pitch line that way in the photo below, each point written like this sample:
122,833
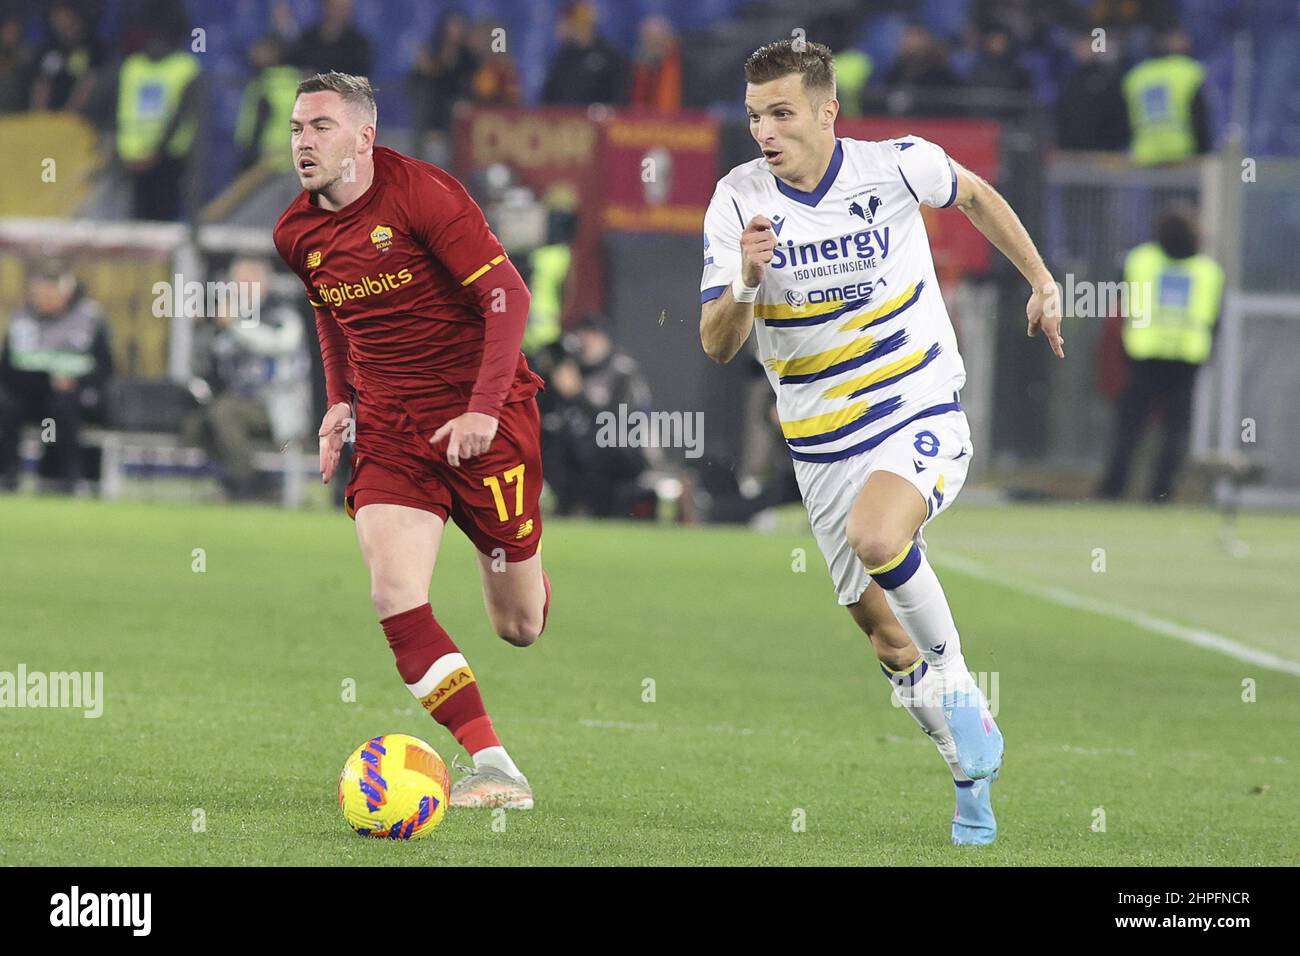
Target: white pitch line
1190,635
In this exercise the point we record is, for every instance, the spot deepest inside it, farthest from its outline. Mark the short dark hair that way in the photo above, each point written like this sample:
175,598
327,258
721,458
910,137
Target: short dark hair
355,90
814,62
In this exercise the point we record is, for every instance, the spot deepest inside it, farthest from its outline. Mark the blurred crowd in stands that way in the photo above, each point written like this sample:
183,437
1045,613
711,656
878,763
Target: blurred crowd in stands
1112,72
136,71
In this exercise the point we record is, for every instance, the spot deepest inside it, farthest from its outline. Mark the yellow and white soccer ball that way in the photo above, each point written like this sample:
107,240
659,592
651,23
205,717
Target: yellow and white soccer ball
395,786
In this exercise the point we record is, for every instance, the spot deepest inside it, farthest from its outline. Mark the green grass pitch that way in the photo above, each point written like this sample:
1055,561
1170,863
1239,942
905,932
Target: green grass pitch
224,693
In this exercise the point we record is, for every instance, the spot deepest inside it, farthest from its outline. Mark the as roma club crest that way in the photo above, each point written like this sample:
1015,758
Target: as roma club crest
382,237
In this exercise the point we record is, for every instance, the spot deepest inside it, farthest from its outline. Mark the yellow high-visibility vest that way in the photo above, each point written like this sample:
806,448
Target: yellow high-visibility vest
1175,320
149,93
852,70
278,85
550,267
1159,94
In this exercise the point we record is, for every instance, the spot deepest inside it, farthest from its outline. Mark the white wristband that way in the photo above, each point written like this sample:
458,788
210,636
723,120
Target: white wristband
741,292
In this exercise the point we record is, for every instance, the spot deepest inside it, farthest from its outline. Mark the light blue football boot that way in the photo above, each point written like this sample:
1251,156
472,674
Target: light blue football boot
974,731
972,822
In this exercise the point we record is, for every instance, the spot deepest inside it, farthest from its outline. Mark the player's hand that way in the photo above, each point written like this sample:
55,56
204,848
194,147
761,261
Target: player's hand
467,435
1044,311
757,243
332,427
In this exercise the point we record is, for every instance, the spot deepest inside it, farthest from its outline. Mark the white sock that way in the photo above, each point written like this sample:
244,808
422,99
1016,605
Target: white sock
918,696
922,609
498,758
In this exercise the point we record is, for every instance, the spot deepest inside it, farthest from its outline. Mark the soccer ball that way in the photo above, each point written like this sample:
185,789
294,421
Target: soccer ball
394,786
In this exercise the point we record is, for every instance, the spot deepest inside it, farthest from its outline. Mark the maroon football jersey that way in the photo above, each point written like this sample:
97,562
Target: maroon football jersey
395,272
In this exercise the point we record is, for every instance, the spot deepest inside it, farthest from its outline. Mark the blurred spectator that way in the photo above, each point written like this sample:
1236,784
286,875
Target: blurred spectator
657,70
586,376
70,65
998,66
1167,340
1166,103
262,127
1090,113
496,81
922,61
1030,23
547,269
442,76
156,122
257,384
1134,14
16,61
586,68
920,81
135,21
333,43
54,366
852,71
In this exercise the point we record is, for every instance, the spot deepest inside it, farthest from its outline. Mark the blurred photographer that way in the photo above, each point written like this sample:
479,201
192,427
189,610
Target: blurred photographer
54,367
585,376
256,384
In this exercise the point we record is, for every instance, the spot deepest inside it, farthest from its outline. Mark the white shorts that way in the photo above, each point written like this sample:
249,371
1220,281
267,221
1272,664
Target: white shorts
933,454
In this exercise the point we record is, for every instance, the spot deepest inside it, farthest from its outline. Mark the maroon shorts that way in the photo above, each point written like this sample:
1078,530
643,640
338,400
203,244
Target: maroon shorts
491,497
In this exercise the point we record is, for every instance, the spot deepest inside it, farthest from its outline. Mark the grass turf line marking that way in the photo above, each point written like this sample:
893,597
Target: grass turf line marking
1158,625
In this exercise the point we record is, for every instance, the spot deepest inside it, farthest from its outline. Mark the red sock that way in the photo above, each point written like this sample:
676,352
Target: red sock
439,676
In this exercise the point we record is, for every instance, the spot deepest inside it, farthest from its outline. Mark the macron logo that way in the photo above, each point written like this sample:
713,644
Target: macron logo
777,223
102,909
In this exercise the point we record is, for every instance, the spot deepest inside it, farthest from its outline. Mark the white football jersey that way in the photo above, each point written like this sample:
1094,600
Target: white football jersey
849,320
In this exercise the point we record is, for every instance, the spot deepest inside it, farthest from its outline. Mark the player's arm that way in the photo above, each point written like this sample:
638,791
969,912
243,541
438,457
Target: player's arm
338,413
334,360
503,300
453,229
725,321
725,324
993,216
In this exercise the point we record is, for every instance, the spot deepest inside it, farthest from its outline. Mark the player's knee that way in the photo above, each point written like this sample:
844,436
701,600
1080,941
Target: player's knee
873,543
391,596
